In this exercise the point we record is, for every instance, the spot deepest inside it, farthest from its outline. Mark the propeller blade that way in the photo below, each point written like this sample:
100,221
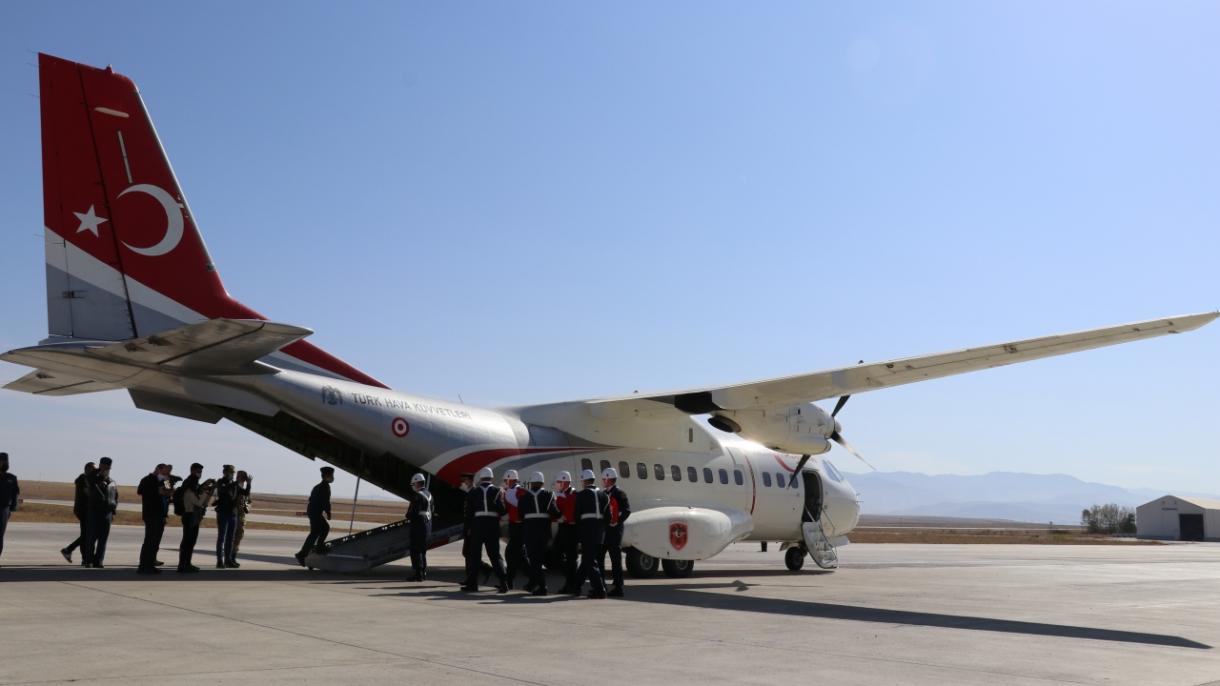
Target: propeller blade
838,438
796,473
839,405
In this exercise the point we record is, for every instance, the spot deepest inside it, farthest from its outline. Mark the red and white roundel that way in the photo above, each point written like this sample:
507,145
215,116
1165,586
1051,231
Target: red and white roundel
400,427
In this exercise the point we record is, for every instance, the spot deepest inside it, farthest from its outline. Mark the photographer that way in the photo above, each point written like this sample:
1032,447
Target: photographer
195,498
226,518
245,484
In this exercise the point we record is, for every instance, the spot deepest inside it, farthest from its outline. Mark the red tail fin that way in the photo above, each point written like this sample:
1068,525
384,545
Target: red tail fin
124,257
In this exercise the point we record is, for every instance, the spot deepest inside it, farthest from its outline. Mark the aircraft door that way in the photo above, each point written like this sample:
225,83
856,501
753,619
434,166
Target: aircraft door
812,482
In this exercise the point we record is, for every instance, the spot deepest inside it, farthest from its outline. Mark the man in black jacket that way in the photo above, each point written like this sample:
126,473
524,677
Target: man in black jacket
592,511
152,510
318,511
78,510
226,518
620,510
484,507
8,496
102,500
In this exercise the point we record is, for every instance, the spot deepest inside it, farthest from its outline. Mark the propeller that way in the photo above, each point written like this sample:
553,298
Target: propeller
837,437
792,481
839,405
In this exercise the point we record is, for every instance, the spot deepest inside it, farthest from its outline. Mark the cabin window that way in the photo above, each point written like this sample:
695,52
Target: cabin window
724,477
779,479
676,472
605,464
767,479
624,470
737,477
707,474
692,474
641,470
659,471
586,463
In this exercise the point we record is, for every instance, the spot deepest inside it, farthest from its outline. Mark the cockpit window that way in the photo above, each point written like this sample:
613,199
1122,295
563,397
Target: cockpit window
831,471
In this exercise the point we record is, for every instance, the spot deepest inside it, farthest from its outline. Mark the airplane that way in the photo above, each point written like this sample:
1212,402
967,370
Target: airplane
135,303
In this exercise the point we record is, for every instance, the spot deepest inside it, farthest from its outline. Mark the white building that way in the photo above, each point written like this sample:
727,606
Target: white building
1178,518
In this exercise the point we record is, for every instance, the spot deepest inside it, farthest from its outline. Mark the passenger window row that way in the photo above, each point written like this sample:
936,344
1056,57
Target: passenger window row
676,474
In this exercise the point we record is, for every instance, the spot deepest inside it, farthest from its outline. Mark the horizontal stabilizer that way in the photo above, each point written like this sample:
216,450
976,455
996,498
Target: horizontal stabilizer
43,382
214,347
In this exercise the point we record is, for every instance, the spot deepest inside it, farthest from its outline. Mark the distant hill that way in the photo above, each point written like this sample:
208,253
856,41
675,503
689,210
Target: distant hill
1015,496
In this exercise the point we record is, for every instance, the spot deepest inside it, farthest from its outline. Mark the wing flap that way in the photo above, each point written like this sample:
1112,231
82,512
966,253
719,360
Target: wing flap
43,382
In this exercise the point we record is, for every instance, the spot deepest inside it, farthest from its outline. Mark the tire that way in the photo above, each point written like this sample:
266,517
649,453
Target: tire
639,565
678,569
794,558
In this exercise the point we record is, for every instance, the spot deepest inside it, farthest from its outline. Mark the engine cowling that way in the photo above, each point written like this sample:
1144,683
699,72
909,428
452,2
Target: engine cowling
799,429
685,533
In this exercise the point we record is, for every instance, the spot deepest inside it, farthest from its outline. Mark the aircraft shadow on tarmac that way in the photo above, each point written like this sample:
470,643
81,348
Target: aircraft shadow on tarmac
686,593
710,595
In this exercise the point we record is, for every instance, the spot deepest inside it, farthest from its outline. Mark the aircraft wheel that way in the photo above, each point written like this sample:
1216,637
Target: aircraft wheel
640,565
794,558
678,569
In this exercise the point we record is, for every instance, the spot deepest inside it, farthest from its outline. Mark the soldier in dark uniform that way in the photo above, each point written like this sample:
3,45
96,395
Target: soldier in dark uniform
620,510
78,510
592,510
468,549
319,512
484,507
566,537
419,521
514,550
537,508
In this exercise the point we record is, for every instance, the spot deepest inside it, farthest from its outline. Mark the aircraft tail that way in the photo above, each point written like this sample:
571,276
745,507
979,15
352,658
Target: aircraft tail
124,256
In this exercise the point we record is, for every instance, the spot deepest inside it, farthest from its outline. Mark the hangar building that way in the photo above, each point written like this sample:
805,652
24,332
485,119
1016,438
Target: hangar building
1179,518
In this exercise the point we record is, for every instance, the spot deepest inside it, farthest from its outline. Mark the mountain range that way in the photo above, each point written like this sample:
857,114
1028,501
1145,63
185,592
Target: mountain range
1057,498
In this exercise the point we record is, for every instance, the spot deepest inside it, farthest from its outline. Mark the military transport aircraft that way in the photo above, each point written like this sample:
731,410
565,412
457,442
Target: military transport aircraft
134,302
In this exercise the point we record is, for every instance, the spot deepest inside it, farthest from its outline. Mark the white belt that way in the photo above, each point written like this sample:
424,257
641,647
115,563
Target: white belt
538,515
487,514
591,516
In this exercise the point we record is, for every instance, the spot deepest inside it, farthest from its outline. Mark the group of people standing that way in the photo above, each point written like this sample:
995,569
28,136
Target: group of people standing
161,494
591,518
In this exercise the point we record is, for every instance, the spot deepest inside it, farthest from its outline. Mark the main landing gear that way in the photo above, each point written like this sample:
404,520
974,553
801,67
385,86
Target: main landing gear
644,566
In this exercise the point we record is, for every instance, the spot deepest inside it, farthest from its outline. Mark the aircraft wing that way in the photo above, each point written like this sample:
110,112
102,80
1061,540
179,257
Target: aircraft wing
44,382
793,390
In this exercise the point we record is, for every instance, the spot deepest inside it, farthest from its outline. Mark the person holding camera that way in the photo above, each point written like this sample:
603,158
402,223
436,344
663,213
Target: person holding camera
152,491
195,498
245,482
226,518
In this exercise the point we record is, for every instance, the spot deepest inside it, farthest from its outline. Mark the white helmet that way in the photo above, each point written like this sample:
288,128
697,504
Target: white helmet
418,479
610,473
564,476
587,475
511,474
484,474
537,478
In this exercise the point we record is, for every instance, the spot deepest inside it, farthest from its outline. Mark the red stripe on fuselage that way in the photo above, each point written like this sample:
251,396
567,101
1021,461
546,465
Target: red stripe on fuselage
790,470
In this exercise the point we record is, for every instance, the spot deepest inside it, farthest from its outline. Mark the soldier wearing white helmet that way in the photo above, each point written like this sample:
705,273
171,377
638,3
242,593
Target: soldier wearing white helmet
537,507
484,507
592,510
565,535
514,550
419,523
620,510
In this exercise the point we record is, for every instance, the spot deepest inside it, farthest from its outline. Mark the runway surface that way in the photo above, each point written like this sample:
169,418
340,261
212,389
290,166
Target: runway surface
910,614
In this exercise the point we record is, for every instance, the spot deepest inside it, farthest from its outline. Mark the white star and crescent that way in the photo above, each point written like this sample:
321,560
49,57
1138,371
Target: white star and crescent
174,228
89,221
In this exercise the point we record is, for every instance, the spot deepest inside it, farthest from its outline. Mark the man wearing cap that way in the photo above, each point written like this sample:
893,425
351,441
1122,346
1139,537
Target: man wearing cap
514,551
101,504
620,510
484,507
419,521
226,517
566,537
9,490
592,510
537,507
318,511
152,510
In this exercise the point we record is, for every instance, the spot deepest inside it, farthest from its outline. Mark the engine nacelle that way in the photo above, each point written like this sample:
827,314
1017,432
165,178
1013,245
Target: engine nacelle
685,533
800,429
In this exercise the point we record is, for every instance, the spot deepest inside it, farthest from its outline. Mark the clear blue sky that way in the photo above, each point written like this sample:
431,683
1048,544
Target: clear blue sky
520,202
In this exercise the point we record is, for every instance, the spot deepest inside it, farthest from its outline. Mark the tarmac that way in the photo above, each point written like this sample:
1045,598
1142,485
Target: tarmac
892,614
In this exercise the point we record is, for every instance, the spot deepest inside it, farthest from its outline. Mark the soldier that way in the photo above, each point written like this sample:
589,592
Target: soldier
514,551
319,512
592,509
468,548
565,536
620,510
484,507
419,519
537,508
